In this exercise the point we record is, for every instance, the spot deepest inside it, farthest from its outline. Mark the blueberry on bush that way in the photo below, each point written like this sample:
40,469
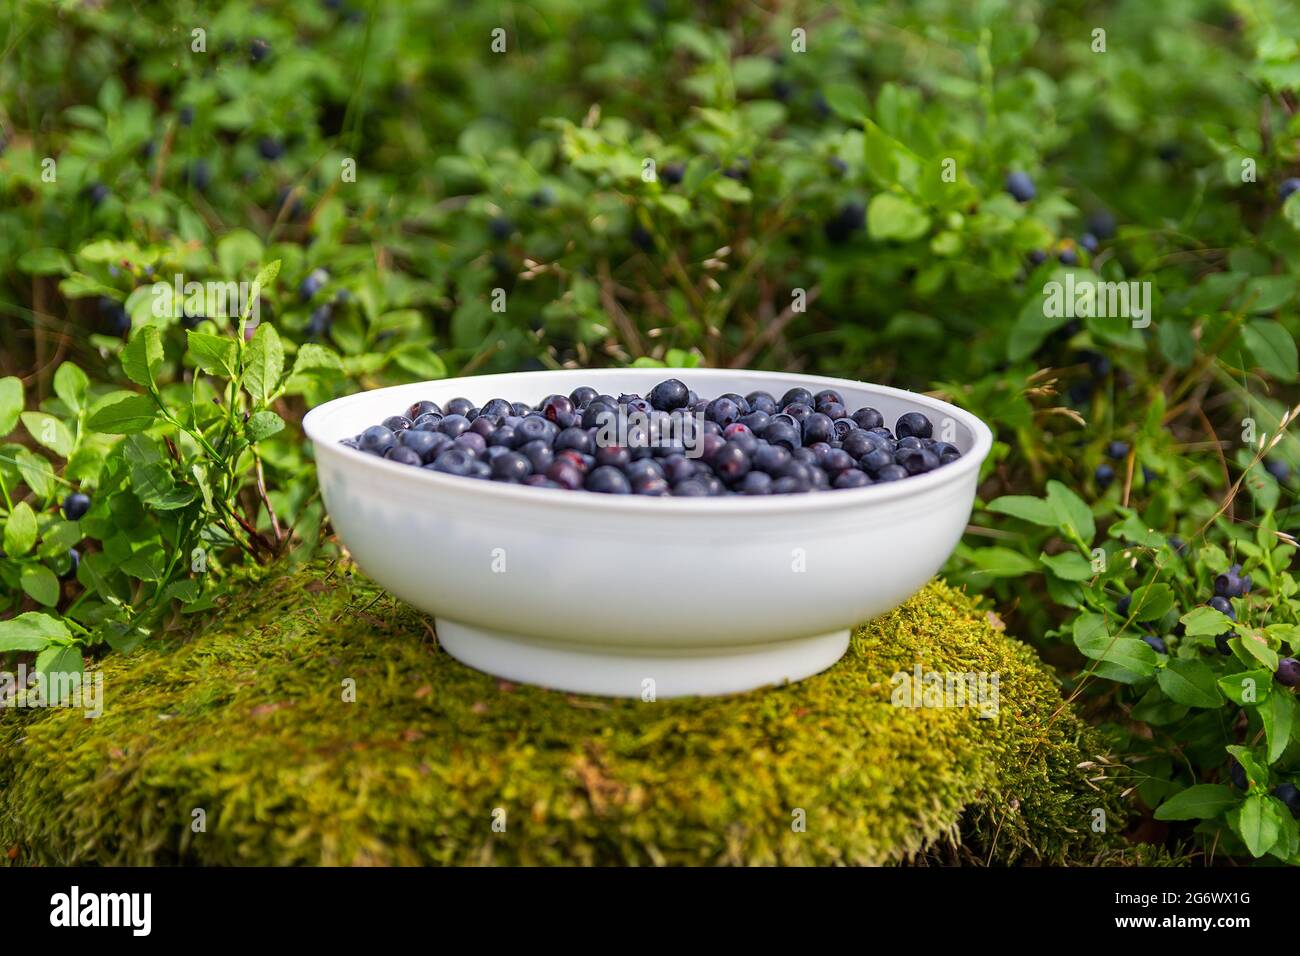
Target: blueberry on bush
1020,186
76,505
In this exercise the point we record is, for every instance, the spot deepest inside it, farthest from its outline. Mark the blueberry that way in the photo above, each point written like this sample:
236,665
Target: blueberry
404,456
825,396
672,173
597,413
761,402
75,506
396,423
913,423
891,473
818,428
1123,604
421,442
377,439
454,425
270,148
783,433
1288,672
1178,544
644,468
186,115
1221,643
480,469
730,462
837,460
848,219
851,478
669,395
1287,188
788,485
1278,469
582,396
1155,643
691,488
535,428
259,50
1020,186
1230,584
843,427
650,485
322,318
1101,223
471,441
199,174
756,421
1089,241
565,473
496,408
576,438
910,443
428,422
454,461
1037,257
834,411
740,401
738,433
511,466
858,442
1104,475
755,483
918,461
608,480
539,454
503,436
1237,774
946,452
800,396
314,282
459,406
558,409
614,455
1068,256
723,411
542,198
771,458
1288,794
1117,450
797,412
501,228
874,460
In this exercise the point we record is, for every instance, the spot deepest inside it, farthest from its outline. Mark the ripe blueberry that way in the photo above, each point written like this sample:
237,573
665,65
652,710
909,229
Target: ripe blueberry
1288,672
913,423
669,395
1020,186
76,505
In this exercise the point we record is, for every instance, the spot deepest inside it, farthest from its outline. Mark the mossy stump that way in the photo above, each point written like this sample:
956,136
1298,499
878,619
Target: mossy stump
245,719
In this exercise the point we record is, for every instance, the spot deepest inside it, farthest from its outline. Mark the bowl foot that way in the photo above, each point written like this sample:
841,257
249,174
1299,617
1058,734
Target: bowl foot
646,673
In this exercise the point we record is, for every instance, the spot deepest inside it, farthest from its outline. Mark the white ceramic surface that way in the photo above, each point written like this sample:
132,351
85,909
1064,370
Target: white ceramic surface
629,596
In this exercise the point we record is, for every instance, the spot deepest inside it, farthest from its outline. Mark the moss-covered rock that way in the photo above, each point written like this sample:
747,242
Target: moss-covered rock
246,720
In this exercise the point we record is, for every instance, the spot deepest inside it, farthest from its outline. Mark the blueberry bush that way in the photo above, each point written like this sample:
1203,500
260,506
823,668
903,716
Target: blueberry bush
345,196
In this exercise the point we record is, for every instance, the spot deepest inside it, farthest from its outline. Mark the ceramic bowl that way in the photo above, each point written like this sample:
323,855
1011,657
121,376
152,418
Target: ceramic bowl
632,596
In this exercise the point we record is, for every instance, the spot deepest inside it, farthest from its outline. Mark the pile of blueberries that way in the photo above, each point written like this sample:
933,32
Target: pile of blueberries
747,445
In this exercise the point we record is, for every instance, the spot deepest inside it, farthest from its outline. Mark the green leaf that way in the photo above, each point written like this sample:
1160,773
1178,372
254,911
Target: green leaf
263,364
264,279
263,425
1255,824
31,632
20,530
70,384
123,413
1072,512
1199,802
1272,348
316,360
1069,566
47,430
1025,507
11,403
848,101
214,354
893,217
41,584
61,659
36,472
1190,682
996,562
1151,602
420,361
142,356
44,262
1093,640
1205,620
1247,688
1278,717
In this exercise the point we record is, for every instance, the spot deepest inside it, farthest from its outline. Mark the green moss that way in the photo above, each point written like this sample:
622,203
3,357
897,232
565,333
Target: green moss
245,719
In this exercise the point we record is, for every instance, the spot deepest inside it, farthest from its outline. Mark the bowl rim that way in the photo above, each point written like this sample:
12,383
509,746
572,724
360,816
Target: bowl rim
955,473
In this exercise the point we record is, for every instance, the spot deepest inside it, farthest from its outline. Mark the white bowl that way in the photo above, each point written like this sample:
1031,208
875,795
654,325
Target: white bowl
635,596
